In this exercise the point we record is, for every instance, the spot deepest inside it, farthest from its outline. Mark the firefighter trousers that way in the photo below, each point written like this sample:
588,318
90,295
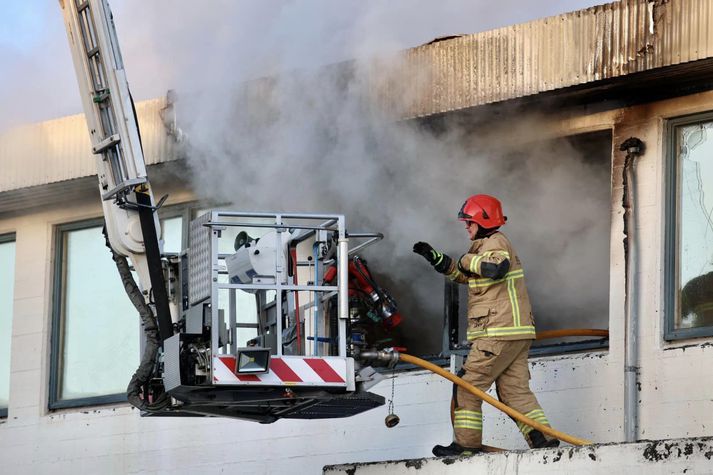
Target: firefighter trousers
502,362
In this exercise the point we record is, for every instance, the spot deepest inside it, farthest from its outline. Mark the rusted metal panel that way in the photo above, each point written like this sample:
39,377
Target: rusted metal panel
573,49
58,150
602,42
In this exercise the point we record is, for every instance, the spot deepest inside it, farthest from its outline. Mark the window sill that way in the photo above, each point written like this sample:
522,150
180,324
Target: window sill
675,336
88,402
555,349
682,343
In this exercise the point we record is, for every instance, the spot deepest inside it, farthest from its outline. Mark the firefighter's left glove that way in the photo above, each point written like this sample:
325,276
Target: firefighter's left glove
441,262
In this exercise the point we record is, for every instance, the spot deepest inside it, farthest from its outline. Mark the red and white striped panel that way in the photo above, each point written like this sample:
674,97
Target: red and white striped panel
285,370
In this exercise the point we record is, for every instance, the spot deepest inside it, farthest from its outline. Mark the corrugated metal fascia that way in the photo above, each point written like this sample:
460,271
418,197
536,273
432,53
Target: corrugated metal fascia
572,49
581,47
157,143
59,149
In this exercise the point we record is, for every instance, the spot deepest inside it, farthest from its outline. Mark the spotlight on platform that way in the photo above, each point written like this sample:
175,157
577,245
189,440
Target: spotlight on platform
253,360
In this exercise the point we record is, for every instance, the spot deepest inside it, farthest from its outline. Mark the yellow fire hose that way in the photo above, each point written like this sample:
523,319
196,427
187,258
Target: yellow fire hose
492,401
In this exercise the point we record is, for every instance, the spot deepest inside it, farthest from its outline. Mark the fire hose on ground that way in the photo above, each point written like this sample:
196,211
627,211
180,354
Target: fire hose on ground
392,357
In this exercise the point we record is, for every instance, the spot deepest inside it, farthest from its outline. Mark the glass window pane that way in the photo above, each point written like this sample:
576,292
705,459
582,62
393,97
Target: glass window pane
100,340
172,229
696,226
7,283
244,335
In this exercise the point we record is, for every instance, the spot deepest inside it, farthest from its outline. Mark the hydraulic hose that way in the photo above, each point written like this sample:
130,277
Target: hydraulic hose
145,371
544,335
492,401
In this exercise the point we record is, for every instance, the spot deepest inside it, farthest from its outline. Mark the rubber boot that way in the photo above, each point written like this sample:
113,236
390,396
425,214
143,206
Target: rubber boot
537,440
455,450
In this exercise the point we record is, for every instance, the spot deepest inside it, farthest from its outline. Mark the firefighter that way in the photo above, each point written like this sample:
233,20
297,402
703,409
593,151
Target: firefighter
500,326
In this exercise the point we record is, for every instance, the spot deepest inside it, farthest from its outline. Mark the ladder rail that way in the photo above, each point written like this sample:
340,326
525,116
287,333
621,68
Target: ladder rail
129,208
102,98
106,98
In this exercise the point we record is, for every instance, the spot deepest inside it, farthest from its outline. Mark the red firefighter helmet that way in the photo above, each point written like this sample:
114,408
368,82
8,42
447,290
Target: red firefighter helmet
484,210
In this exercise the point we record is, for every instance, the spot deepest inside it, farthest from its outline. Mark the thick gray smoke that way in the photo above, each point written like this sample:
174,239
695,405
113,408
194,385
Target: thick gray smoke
189,45
314,145
316,142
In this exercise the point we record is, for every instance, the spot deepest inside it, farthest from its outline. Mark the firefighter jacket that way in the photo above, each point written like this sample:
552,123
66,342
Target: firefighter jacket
498,308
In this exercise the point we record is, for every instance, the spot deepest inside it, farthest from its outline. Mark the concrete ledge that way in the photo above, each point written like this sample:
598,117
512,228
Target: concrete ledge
693,455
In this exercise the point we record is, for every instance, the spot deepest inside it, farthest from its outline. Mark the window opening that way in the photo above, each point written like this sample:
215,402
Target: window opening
565,254
95,328
689,275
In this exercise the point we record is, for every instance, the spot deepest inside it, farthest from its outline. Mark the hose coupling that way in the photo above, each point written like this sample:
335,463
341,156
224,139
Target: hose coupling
387,358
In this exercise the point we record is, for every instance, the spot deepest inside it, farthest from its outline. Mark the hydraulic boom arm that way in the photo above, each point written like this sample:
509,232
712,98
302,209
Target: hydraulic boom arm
129,211
225,358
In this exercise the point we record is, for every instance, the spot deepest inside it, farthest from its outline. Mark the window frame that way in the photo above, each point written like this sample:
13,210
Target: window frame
5,238
672,223
57,332
182,210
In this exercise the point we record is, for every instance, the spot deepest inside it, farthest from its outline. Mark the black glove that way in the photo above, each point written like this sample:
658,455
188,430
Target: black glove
438,260
426,250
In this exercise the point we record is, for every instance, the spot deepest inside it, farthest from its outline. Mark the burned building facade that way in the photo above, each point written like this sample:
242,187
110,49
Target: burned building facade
553,102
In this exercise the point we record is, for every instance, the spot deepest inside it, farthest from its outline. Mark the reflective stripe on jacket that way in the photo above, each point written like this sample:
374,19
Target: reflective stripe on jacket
497,308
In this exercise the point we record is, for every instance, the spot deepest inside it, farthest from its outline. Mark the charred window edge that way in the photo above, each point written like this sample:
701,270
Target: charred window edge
671,235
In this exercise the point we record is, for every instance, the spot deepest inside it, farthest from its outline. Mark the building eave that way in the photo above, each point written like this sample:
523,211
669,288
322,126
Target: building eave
583,49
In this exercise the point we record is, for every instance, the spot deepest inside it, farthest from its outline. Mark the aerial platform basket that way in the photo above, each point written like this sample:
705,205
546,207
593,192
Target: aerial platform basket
261,335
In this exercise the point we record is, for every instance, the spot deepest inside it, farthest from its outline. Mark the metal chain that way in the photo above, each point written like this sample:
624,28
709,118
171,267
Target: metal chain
391,401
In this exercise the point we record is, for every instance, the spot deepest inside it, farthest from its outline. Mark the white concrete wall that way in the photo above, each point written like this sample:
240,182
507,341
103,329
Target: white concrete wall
676,398
582,394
